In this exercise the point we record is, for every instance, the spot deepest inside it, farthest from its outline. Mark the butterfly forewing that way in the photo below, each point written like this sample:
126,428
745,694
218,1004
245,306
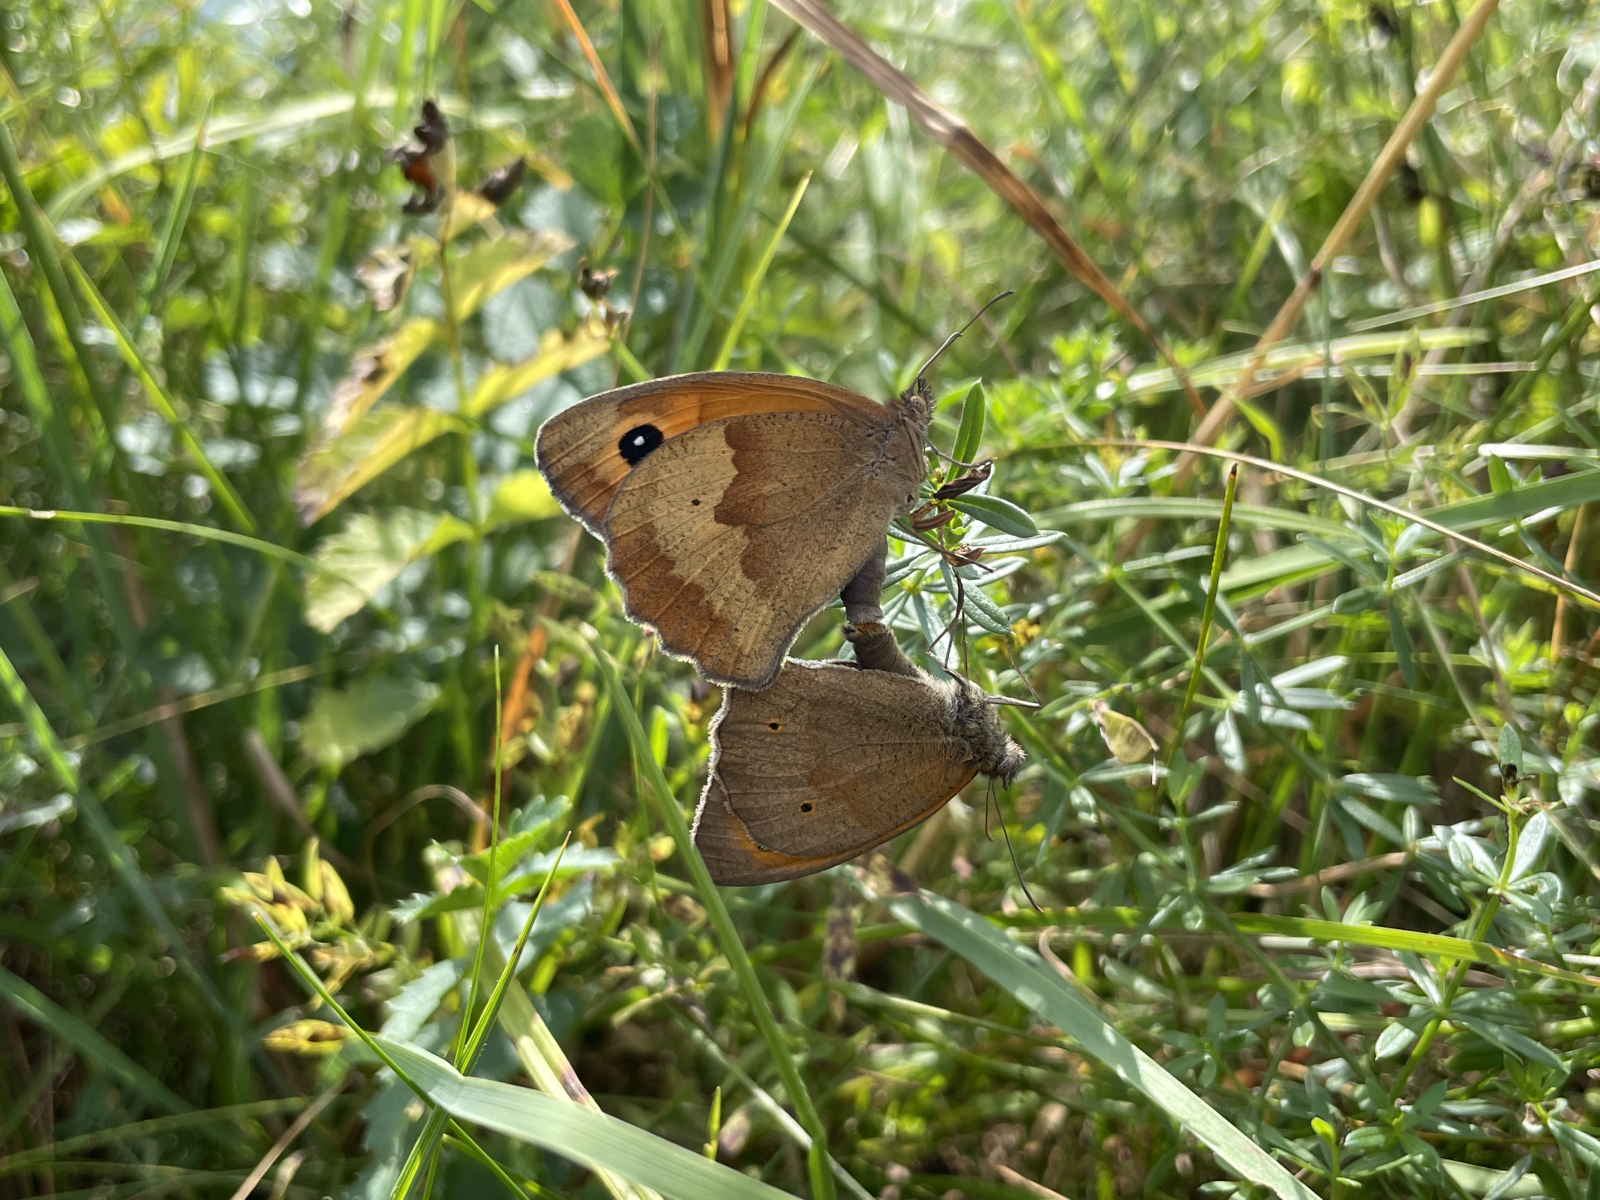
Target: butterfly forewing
587,450
728,537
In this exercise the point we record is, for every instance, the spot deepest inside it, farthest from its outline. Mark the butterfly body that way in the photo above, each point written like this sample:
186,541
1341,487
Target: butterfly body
734,505
832,760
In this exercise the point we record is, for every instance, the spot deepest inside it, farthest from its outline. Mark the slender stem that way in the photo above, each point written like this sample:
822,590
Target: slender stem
727,935
1208,614
1480,930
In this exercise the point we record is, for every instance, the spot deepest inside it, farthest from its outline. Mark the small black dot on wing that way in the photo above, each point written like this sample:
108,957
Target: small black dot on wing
638,442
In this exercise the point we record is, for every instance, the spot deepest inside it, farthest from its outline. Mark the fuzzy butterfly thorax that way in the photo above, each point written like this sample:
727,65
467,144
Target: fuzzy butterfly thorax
834,759
734,505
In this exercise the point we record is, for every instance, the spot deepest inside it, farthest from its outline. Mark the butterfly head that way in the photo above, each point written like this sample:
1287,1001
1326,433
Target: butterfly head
977,724
915,404
914,408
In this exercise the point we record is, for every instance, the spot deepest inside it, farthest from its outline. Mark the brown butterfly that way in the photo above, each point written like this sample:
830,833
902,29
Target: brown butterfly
735,505
834,759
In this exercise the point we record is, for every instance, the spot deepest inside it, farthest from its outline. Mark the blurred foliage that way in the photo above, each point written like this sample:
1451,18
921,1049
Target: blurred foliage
324,570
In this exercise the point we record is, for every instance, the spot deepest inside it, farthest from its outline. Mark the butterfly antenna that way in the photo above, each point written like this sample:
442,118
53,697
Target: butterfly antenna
1032,691
949,341
1011,701
1015,865
954,462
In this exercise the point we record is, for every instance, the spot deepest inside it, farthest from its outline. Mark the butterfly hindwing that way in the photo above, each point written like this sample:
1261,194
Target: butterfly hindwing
823,765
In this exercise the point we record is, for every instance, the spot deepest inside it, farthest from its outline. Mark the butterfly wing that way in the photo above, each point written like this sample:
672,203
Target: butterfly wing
728,537
825,764
588,449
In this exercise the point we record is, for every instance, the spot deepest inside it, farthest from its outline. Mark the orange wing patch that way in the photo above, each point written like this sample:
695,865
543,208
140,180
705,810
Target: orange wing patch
586,451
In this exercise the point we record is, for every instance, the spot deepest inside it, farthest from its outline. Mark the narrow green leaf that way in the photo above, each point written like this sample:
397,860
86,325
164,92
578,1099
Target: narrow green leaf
574,1132
970,435
997,514
1511,749
1400,636
752,286
33,1005
1022,973
722,923
159,400
986,612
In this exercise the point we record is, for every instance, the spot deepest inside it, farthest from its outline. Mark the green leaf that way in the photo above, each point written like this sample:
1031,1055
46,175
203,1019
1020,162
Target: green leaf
332,472
494,265
527,878
1406,789
344,725
1577,1143
970,435
374,370
1511,750
1401,637
1371,819
522,496
576,1133
556,353
997,514
1565,491
985,611
1530,846
1022,973
1194,508
1394,1039
368,555
529,829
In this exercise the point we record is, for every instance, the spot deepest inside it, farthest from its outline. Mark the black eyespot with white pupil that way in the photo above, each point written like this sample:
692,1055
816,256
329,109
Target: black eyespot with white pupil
806,807
638,442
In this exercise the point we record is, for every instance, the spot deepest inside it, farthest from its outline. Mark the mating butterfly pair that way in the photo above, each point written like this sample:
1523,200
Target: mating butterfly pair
733,507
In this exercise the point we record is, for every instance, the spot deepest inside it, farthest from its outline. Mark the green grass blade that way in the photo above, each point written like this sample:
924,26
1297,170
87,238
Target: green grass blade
727,935
728,252
573,1132
315,986
118,856
753,285
1022,973
177,219
156,1125
491,1009
1218,555
33,1005
159,399
208,532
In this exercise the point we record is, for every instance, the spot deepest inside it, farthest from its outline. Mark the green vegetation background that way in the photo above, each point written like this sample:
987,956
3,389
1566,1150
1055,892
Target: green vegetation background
264,679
